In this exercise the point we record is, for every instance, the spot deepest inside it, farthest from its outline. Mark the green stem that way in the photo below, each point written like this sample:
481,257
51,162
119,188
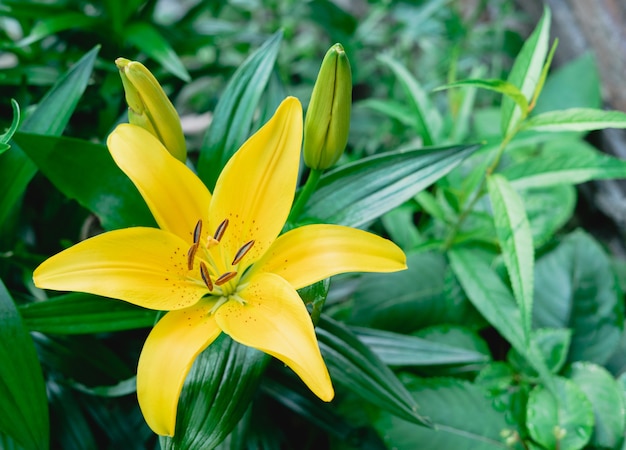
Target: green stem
304,195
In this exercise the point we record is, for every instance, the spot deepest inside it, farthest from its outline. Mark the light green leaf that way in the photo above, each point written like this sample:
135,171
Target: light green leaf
503,87
463,414
526,71
216,394
426,119
576,119
563,420
234,113
356,193
50,118
78,313
553,344
607,400
23,402
390,108
147,38
548,210
516,243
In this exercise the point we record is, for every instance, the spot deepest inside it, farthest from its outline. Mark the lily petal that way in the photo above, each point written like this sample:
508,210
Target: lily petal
174,194
308,254
256,188
275,321
143,266
166,357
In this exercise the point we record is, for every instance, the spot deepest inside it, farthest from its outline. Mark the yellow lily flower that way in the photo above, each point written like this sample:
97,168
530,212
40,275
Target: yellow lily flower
217,262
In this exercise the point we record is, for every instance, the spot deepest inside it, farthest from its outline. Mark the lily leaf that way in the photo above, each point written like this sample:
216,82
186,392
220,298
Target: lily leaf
503,87
576,119
23,401
360,192
235,110
50,118
6,137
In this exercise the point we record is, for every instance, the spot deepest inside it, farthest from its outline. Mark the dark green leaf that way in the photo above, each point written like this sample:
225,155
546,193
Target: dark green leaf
362,191
548,210
70,423
86,172
216,394
23,402
50,118
234,113
79,313
6,137
53,24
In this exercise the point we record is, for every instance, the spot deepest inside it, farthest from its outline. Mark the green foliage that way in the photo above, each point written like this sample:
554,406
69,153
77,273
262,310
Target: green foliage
505,331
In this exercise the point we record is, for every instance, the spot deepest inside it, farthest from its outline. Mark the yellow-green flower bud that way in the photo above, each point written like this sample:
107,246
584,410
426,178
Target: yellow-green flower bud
149,107
327,120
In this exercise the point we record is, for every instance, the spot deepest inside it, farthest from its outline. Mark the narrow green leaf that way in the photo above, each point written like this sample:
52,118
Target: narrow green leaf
607,400
544,74
516,243
78,313
563,420
353,365
147,38
576,119
526,71
50,118
234,113
427,120
390,108
356,193
396,349
565,161
86,172
23,402
6,137
502,87
52,24
216,394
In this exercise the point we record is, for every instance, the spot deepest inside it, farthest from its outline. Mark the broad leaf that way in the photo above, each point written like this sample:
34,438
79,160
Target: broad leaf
85,171
516,243
234,113
23,402
526,71
50,118
576,119
360,192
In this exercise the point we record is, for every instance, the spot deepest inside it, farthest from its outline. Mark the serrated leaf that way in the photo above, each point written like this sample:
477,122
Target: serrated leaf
463,413
216,394
566,161
564,422
85,171
426,118
396,349
356,193
50,118
147,39
353,365
607,400
79,313
234,112
526,71
553,344
500,86
575,119
23,401
516,243
575,287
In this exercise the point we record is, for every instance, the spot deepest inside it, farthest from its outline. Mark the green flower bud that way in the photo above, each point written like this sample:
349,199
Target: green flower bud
328,116
149,107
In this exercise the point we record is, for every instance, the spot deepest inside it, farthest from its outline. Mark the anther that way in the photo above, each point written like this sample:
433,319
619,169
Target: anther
225,277
197,232
191,254
204,273
245,248
221,229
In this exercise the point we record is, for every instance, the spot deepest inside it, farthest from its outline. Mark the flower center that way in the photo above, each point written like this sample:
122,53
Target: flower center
208,261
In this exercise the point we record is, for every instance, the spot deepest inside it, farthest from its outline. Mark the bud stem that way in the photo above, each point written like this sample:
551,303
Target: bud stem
304,195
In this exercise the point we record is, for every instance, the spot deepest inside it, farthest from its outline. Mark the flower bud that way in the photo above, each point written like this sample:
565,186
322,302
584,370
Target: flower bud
149,107
328,116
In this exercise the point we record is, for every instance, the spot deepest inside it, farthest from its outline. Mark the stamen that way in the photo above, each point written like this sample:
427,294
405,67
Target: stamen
191,254
221,229
225,277
197,232
245,248
204,273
